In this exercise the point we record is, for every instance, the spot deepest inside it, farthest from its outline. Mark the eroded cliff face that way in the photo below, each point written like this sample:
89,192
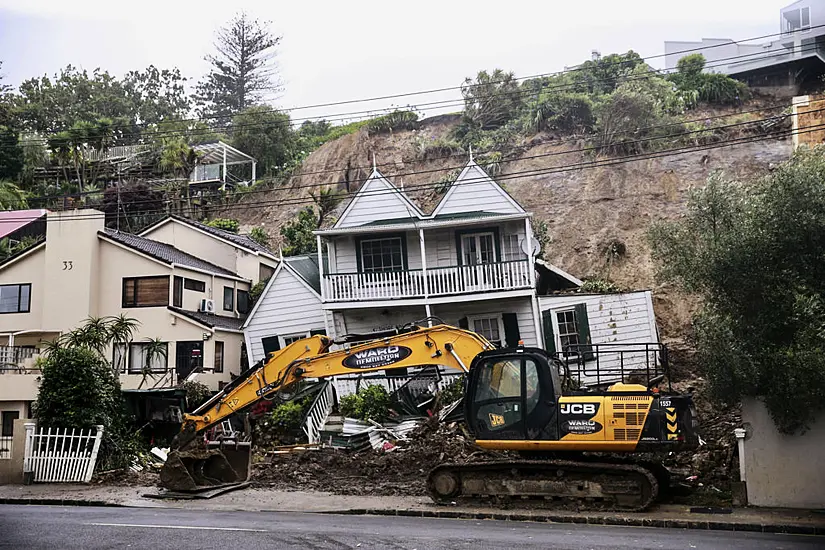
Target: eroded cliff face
586,209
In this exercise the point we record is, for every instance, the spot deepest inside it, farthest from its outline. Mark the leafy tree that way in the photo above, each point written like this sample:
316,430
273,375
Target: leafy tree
9,247
11,153
754,254
491,100
266,135
242,68
713,88
604,74
257,289
74,148
132,206
563,111
11,196
226,224
260,236
297,234
157,95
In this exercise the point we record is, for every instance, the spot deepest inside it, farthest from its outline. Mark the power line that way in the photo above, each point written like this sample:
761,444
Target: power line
522,174
594,148
448,103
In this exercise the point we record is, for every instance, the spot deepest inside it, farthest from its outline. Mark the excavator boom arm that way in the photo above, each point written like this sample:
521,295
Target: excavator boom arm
310,358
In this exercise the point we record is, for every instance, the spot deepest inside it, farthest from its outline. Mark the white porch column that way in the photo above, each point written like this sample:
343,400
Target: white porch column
321,268
224,164
531,268
254,167
424,275
11,339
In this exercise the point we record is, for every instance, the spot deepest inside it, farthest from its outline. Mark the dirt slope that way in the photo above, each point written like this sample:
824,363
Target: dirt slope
585,209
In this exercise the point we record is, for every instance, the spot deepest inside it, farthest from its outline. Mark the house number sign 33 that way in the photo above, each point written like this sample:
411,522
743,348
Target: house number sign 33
67,266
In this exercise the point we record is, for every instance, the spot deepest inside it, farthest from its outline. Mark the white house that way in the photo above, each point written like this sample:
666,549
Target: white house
470,263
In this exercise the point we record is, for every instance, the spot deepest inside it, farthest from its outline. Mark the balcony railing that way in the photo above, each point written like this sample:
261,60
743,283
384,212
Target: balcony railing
12,359
438,281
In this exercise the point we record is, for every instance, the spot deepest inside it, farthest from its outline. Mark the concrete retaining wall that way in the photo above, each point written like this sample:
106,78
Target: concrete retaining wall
783,470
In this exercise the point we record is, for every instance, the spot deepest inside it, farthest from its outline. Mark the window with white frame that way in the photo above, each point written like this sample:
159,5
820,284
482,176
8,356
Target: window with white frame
292,338
489,327
510,249
382,255
151,354
568,328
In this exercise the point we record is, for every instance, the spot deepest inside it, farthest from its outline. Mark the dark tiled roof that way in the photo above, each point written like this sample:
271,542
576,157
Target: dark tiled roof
164,252
307,269
210,319
244,241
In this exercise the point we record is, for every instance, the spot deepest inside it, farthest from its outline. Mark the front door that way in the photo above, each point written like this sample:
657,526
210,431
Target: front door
478,251
188,357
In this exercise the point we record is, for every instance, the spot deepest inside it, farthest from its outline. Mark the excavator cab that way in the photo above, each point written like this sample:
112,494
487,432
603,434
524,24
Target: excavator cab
513,394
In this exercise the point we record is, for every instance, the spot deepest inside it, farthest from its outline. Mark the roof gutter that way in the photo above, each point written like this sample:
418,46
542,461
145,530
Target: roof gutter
425,223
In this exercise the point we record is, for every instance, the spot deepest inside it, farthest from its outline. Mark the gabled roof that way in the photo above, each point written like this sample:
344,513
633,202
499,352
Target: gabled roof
242,241
219,322
379,187
12,220
166,253
475,183
306,267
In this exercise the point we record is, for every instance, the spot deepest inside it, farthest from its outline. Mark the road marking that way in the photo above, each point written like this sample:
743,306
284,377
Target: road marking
178,527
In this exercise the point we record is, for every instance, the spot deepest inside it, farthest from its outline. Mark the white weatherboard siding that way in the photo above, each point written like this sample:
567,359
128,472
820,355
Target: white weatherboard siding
451,313
475,191
613,318
289,307
376,200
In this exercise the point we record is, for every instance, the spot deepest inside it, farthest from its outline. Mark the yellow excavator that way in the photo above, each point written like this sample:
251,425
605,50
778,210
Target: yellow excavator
516,399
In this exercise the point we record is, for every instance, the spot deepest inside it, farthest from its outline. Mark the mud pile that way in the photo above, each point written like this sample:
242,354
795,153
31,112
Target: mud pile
401,471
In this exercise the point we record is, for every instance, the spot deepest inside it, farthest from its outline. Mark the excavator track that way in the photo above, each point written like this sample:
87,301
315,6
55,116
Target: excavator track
546,483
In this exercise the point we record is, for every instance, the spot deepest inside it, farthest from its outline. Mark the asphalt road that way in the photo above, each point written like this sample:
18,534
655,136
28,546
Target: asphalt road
55,527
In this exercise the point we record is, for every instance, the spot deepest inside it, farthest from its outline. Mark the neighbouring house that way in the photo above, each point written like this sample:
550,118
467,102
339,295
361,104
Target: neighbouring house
81,270
220,164
288,309
792,60
808,116
16,225
470,263
237,253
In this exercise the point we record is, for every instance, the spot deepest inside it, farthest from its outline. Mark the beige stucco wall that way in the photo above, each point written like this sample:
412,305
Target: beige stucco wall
782,470
28,269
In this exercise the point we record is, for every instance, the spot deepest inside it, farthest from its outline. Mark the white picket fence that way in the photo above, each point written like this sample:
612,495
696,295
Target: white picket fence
66,455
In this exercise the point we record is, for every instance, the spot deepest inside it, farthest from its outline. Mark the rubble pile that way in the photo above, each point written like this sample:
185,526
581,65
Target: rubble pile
401,470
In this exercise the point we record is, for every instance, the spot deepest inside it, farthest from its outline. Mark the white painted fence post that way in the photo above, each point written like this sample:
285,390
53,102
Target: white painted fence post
27,466
93,460
740,434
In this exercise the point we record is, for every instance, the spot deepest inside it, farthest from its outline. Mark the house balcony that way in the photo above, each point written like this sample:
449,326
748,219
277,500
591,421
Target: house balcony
18,373
420,283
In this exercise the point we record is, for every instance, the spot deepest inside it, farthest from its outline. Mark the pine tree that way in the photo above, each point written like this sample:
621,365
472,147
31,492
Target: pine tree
242,68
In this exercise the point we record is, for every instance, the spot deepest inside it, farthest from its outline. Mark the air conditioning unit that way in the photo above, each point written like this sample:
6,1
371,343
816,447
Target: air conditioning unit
207,306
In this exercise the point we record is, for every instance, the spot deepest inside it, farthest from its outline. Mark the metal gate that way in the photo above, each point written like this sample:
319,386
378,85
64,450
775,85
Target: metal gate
61,455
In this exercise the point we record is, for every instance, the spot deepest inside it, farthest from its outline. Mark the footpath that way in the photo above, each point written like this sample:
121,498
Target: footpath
767,520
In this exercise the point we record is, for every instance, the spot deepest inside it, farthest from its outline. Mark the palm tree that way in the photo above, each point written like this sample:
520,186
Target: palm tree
155,349
179,159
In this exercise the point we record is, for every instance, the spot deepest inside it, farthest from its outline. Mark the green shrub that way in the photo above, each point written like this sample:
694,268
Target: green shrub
369,403
196,394
287,417
257,289
721,89
260,236
600,286
453,392
224,223
430,146
396,120
564,112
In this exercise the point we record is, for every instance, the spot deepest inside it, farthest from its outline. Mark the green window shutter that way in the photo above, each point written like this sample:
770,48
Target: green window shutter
320,331
464,323
270,343
549,338
511,333
584,331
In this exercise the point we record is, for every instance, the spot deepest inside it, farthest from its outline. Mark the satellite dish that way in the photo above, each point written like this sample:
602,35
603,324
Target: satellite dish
530,248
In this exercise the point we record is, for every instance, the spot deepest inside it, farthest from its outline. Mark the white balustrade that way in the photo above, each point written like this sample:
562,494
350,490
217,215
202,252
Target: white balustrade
443,281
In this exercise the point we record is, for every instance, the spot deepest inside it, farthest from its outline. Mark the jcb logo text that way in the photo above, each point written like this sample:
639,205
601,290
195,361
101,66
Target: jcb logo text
578,408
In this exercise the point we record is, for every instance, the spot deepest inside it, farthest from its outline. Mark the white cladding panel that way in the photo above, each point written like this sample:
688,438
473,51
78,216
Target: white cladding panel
288,308
474,191
376,200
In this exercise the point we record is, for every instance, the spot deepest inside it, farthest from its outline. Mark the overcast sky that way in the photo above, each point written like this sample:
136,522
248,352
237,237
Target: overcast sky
345,50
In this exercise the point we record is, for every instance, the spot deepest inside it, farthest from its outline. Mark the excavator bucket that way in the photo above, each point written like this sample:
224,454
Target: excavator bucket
218,465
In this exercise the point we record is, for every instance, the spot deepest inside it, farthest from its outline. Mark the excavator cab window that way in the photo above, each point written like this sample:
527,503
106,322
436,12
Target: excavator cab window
511,396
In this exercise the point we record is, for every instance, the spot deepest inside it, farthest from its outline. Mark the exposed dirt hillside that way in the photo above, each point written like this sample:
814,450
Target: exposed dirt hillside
585,209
